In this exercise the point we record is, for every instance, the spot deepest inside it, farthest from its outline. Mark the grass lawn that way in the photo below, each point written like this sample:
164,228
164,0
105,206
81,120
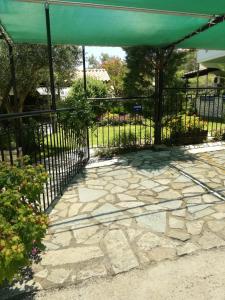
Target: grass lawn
126,134
105,136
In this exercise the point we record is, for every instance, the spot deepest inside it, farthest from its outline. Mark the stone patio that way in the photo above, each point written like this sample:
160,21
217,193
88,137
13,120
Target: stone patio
139,209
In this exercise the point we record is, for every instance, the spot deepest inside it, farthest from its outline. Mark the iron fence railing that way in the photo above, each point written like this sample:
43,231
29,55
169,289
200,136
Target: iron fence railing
193,111
122,122
126,122
53,138
48,140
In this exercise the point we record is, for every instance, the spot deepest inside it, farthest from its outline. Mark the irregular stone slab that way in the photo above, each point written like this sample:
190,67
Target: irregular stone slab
120,174
192,190
208,198
71,255
107,212
179,212
42,274
124,197
63,213
130,204
149,184
133,233
134,186
121,183
173,204
62,239
182,179
82,234
117,190
179,235
187,249
159,189
219,216
74,209
176,223
58,276
154,221
95,239
125,222
99,182
203,213
72,222
89,195
93,270
119,252
148,199
134,179
50,246
162,253
109,187
216,225
210,240
169,195
194,200
163,181
197,207
89,207
195,227
148,241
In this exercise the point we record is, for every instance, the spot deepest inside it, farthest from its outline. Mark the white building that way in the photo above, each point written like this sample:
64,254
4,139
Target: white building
214,102
212,59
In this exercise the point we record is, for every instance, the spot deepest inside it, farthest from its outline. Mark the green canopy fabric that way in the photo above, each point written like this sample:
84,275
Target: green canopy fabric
157,23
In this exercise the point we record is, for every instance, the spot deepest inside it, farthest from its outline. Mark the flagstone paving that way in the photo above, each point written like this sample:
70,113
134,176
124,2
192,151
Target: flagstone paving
139,211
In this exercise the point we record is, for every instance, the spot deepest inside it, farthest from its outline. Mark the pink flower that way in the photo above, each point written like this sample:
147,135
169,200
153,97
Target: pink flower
34,251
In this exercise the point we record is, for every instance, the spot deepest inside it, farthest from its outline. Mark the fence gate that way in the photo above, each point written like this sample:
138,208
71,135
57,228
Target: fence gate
48,139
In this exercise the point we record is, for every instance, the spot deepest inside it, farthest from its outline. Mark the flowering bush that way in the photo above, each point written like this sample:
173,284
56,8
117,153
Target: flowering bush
22,225
180,124
186,130
119,119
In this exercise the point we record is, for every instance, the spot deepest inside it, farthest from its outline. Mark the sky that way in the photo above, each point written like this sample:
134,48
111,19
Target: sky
112,51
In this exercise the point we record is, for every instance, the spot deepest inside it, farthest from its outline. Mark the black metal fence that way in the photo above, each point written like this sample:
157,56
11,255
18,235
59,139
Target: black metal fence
53,139
49,140
187,116
122,122
193,114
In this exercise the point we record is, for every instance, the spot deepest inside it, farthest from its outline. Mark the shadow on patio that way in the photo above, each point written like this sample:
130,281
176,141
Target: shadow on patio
141,209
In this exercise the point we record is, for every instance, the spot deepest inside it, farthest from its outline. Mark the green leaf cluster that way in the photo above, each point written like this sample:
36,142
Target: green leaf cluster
22,225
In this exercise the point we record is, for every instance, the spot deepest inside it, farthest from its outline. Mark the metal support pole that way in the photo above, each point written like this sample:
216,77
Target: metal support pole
51,71
84,71
13,75
85,93
158,96
197,81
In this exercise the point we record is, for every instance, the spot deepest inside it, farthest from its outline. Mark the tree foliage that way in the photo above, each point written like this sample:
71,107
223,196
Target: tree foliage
141,61
31,64
93,62
84,110
116,69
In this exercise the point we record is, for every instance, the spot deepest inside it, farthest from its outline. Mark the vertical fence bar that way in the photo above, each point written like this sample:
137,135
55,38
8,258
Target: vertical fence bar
85,93
158,96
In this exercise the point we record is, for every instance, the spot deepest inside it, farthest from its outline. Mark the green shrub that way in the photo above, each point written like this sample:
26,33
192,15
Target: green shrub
22,225
124,140
85,112
192,129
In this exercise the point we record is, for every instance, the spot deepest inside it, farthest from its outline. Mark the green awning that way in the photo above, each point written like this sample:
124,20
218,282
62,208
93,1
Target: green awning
157,23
